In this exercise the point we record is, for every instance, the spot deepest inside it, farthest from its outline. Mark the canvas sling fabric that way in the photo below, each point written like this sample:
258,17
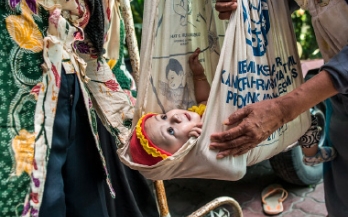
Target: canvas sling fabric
258,61
174,29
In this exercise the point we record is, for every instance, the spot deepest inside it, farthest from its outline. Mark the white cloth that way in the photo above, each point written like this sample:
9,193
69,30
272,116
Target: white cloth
258,60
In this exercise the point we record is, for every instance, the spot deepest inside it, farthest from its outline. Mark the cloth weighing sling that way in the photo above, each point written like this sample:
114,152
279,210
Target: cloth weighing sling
258,61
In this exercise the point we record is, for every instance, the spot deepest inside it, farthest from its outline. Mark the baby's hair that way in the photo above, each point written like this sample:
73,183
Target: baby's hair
173,65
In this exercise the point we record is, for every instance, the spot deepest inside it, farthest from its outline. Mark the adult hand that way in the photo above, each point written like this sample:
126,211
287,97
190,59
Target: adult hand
225,8
249,126
255,122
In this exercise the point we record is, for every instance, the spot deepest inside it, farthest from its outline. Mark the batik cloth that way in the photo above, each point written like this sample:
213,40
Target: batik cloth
37,39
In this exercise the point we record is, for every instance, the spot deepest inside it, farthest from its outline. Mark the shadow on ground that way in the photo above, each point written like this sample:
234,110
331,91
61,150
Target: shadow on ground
187,195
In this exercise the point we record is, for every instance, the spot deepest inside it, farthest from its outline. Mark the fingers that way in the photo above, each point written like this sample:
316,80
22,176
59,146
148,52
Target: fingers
234,152
243,150
226,5
245,131
238,116
237,140
224,15
235,147
200,125
191,57
194,57
194,64
225,8
249,126
227,136
195,132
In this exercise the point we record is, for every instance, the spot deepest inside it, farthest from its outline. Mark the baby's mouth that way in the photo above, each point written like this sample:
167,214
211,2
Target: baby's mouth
188,116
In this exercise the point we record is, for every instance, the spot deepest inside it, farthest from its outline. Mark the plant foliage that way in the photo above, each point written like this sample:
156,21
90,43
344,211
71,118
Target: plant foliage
305,35
138,10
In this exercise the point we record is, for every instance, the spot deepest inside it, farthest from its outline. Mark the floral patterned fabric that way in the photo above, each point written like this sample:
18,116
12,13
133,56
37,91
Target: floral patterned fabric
38,38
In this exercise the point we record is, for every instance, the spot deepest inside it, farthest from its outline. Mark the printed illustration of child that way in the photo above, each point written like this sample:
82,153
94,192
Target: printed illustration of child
175,74
157,136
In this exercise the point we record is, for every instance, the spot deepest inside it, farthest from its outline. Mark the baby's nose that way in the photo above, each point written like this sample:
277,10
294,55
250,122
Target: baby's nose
176,118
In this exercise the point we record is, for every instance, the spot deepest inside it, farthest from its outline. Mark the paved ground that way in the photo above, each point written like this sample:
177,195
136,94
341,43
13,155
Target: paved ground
187,195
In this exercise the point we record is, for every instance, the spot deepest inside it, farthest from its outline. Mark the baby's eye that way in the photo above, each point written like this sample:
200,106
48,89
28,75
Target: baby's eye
170,131
163,117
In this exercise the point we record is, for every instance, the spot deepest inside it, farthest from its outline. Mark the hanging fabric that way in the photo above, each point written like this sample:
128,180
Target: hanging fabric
258,61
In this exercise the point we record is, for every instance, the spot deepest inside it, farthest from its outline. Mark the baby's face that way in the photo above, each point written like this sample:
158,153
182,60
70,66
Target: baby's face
170,131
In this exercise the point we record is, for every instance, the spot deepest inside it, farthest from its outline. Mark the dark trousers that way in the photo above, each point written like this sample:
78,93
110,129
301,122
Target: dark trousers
134,197
75,179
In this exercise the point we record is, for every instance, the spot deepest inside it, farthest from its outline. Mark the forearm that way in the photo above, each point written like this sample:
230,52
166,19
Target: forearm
315,90
200,83
332,79
202,89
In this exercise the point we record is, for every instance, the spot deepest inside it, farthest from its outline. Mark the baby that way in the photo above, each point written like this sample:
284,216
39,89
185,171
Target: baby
157,136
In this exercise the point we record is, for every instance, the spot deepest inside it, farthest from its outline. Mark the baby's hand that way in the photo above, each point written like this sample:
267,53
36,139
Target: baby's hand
195,66
196,131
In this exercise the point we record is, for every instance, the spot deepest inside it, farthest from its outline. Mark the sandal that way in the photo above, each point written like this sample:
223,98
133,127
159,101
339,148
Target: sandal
272,199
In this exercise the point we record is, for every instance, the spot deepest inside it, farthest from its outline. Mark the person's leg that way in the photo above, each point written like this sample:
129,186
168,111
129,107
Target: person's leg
313,154
83,172
53,201
74,176
134,194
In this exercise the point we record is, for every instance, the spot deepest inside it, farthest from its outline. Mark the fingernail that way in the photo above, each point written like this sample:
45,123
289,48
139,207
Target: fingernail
212,147
219,156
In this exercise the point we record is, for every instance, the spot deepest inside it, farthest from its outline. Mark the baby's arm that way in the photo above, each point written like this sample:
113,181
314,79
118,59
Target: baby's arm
200,83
